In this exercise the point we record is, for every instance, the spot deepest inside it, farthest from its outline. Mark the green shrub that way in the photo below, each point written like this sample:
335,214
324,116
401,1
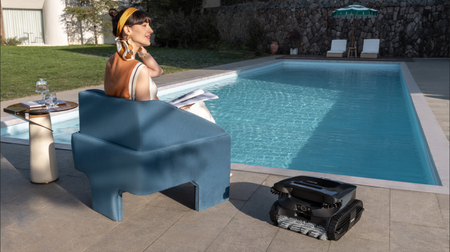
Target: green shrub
11,41
178,30
256,34
294,37
228,46
174,30
204,32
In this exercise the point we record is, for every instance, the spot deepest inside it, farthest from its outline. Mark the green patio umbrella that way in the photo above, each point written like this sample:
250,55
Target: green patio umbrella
354,12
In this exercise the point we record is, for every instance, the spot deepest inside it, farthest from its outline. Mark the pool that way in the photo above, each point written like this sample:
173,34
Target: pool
356,120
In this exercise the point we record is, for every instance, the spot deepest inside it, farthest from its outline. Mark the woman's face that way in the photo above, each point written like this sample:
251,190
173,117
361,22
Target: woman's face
140,33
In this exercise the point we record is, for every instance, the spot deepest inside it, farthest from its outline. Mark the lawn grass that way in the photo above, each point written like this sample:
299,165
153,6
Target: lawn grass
71,67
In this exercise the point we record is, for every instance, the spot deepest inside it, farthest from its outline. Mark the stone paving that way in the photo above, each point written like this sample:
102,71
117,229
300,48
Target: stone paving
59,216
432,76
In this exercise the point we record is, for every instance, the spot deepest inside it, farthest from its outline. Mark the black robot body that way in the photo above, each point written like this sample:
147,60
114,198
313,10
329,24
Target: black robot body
322,202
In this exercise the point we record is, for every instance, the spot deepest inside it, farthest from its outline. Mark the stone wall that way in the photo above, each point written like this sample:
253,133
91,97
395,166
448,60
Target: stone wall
406,28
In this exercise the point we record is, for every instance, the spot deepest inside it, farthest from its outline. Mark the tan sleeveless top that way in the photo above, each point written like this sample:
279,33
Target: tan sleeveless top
121,76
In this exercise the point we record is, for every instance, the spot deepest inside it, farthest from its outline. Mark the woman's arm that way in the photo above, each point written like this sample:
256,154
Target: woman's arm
154,70
142,92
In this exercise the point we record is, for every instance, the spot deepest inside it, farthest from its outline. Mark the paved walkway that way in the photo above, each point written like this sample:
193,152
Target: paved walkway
59,217
432,76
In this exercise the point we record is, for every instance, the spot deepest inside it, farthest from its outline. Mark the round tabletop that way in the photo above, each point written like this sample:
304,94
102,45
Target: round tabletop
40,111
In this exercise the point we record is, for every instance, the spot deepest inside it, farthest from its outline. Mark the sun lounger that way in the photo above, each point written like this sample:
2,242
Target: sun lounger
371,48
338,48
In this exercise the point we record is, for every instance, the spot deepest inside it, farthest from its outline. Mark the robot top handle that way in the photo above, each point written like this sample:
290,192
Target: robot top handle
314,189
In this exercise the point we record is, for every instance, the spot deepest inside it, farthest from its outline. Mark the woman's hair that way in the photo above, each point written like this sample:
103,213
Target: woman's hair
138,17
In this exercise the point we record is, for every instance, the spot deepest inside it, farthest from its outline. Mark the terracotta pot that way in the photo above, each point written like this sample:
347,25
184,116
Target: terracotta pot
274,47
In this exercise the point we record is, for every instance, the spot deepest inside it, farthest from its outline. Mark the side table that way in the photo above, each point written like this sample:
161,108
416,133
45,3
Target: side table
355,51
43,168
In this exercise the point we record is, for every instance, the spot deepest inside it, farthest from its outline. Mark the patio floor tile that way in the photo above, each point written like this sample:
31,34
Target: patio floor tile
374,222
409,237
286,240
195,231
244,233
244,184
140,230
258,206
75,235
14,240
352,244
409,207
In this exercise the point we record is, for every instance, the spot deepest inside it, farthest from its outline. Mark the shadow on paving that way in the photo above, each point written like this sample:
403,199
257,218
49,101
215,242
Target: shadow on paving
442,97
17,178
71,183
257,206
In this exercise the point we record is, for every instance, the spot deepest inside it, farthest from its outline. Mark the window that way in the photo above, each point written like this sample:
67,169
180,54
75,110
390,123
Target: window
24,24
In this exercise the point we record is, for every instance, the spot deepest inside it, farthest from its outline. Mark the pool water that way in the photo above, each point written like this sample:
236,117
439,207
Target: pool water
339,118
63,126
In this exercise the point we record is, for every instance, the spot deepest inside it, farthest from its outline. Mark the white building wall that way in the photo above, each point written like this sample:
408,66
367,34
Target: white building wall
23,4
54,23
57,30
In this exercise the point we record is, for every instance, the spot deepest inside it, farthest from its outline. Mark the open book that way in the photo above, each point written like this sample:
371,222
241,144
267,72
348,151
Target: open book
36,104
197,95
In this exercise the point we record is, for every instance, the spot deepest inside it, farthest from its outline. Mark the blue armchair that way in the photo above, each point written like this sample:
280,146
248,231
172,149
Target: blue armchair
143,147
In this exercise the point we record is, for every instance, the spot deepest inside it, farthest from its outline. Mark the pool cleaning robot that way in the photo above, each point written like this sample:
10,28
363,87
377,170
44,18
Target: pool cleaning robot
318,207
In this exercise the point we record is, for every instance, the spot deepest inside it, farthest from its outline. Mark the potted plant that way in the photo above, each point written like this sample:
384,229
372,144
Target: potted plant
294,37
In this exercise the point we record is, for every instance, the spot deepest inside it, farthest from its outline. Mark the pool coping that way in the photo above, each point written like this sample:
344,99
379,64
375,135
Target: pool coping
435,137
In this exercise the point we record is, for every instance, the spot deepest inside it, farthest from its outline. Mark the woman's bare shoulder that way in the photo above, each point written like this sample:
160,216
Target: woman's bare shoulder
142,85
143,72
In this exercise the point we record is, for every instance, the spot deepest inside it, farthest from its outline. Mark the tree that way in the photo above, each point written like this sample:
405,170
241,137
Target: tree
94,12
163,8
2,26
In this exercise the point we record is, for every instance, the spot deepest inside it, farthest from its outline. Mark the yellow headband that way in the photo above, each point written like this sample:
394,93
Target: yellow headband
123,19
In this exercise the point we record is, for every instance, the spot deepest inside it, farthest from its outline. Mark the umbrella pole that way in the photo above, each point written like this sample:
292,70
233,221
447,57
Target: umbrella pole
353,32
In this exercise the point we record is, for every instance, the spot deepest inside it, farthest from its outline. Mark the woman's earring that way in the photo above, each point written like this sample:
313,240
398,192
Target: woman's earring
130,46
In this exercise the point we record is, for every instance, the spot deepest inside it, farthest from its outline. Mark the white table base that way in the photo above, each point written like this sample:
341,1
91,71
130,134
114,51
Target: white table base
43,168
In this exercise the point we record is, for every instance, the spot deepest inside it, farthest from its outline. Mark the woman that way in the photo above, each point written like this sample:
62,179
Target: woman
125,76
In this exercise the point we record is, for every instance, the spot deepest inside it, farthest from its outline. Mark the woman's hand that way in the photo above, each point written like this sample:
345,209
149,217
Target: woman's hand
187,106
142,53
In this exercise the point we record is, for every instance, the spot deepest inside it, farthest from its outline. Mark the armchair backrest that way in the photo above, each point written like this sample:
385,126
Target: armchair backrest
140,125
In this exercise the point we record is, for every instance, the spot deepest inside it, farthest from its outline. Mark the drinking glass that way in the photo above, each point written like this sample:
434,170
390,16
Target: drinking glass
42,88
51,101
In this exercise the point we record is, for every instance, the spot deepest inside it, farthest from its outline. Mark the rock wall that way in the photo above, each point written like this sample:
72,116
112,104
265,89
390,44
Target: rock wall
406,28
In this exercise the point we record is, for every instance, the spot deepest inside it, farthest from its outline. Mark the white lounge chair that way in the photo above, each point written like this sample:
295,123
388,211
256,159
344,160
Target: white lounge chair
338,48
371,48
